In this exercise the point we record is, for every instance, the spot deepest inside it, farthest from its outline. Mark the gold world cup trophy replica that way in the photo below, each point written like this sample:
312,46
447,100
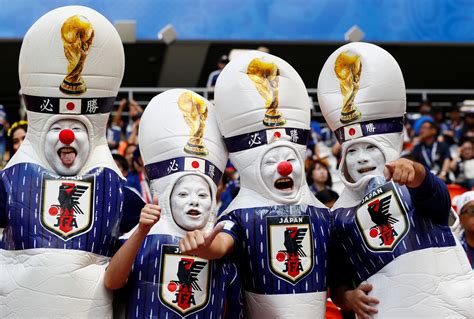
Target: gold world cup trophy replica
265,77
348,68
194,110
77,35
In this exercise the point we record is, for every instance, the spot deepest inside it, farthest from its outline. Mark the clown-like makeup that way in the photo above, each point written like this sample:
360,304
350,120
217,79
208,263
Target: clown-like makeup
281,171
191,202
364,159
67,146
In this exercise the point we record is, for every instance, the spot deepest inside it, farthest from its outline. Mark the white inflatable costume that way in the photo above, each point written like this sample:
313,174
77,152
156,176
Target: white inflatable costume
62,192
280,229
184,157
393,237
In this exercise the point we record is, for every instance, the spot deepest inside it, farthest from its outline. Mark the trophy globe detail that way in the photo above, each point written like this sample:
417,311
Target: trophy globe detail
348,68
265,77
77,35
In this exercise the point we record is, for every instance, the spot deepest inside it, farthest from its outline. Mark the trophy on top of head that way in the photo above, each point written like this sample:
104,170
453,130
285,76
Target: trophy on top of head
348,68
265,77
77,35
194,111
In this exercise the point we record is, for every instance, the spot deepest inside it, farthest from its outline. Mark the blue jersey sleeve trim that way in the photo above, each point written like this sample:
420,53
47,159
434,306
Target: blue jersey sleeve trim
3,200
432,198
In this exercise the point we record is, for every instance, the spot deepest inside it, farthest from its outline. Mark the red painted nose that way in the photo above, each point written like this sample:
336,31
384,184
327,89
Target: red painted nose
285,168
66,136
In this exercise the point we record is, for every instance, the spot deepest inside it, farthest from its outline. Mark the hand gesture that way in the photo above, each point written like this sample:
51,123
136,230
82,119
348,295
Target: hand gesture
149,216
196,241
360,302
405,172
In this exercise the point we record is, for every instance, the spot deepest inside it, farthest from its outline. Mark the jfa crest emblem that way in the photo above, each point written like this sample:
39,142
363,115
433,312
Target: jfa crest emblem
67,206
290,247
184,281
382,219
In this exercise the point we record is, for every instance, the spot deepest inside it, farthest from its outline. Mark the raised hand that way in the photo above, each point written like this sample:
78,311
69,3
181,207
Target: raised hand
149,216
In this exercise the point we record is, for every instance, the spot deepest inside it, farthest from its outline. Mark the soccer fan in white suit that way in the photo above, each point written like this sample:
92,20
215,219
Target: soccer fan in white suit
62,194
184,156
390,225
275,226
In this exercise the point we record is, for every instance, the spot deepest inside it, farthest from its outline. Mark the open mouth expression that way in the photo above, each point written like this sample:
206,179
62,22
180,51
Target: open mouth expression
364,159
66,146
281,171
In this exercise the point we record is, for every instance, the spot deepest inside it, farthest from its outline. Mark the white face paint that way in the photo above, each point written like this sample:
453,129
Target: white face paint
277,179
191,202
67,158
364,159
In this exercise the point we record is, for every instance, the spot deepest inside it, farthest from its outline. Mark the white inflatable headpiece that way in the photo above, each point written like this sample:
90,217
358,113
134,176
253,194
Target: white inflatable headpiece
362,95
179,136
71,66
262,103
464,199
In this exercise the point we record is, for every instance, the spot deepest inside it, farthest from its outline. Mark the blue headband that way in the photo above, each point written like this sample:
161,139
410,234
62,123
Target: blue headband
368,128
54,105
183,164
255,139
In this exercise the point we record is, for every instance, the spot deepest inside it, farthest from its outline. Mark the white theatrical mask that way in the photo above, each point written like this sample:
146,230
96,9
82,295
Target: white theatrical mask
191,202
281,171
66,146
364,159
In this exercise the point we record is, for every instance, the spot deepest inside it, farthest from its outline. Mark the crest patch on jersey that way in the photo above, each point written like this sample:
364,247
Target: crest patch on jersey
382,219
290,247
184,281
67,207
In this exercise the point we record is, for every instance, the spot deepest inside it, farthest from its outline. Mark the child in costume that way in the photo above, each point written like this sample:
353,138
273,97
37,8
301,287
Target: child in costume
184,157
391,239
61,194
275,226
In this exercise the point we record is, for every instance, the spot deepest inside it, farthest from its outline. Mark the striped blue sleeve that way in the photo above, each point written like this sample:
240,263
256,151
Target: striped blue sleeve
3,202
432,199
232,226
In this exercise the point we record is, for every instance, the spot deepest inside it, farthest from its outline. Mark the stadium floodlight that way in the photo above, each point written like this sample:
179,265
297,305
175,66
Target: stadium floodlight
167,34
354,34
127,29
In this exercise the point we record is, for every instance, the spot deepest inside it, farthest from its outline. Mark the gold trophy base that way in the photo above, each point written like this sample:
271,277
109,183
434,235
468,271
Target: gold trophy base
73,88
351,116
273,120
195,149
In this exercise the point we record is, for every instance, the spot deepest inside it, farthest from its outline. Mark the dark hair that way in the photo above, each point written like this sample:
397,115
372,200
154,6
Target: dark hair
15,126
327,196
121,160
309,173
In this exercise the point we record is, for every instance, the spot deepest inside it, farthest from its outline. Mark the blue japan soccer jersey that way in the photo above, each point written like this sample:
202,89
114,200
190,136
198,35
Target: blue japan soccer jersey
385,226
166,284
280,249
43,210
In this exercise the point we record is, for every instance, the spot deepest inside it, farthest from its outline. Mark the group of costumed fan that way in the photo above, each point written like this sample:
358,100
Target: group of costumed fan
70,233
